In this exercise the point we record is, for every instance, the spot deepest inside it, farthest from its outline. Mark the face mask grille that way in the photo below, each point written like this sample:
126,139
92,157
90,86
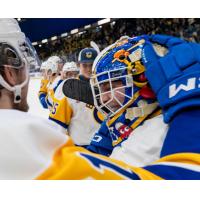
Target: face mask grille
123,89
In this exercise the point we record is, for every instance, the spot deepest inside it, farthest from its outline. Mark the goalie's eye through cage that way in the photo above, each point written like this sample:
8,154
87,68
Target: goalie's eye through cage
124,91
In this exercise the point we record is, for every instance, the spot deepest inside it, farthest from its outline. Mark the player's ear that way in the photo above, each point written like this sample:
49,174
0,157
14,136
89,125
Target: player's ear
10,75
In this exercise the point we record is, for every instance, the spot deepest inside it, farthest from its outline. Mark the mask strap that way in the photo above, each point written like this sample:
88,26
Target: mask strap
141,111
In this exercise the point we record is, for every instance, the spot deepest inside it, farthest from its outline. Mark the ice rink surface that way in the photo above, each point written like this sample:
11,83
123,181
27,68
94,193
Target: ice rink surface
33,101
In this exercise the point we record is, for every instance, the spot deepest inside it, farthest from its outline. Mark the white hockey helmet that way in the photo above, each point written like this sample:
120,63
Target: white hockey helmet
55,59
70,67
51,66
16,51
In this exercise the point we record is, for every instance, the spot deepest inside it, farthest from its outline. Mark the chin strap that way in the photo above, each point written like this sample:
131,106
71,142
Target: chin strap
15,89
17,94
142,110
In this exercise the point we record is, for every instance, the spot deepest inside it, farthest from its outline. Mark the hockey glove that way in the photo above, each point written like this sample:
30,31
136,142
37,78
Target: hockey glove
174,77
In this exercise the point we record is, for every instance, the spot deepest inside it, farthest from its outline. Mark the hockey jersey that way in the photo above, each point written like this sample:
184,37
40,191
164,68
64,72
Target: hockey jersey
113,132
81,120
43,93
144,144
47,91
32,148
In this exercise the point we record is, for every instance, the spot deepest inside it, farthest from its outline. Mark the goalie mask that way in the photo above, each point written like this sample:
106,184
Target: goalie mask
16,51
118,74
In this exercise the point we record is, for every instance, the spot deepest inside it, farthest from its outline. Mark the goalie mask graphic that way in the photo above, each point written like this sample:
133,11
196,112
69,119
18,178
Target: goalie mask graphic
118,76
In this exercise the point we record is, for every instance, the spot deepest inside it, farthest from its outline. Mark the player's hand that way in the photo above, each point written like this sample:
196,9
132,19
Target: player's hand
174,77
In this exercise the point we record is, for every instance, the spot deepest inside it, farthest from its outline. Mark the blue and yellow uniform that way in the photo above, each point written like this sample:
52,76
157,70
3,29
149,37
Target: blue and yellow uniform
79,119
47,91
46,153
180,158
43,93
116,130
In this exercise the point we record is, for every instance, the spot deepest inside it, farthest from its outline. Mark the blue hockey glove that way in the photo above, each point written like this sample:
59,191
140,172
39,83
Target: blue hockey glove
174,77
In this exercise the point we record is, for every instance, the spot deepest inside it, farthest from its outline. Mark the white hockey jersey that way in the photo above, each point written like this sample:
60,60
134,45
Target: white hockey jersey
80,119
144,144
33,148
27,144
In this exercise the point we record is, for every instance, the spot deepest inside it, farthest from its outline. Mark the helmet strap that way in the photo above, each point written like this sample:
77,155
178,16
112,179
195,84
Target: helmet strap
140,111
15,89
17,94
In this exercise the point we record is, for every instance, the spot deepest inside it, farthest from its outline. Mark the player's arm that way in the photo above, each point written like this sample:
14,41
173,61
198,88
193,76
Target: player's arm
42,94
177,90
50,96
62,111
101,142
57,85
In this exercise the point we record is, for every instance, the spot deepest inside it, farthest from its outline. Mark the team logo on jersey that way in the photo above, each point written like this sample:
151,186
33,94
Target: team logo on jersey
123,129
123,133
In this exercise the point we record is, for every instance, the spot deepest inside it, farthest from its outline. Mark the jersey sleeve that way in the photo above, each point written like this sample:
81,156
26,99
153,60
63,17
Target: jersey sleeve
61,112
76,163
180,158
51,94
101,142
43,93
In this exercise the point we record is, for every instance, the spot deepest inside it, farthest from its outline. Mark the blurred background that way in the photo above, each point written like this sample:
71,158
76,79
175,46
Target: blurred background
65,37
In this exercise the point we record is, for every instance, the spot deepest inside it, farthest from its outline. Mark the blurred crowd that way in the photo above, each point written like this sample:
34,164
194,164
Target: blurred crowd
68,47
